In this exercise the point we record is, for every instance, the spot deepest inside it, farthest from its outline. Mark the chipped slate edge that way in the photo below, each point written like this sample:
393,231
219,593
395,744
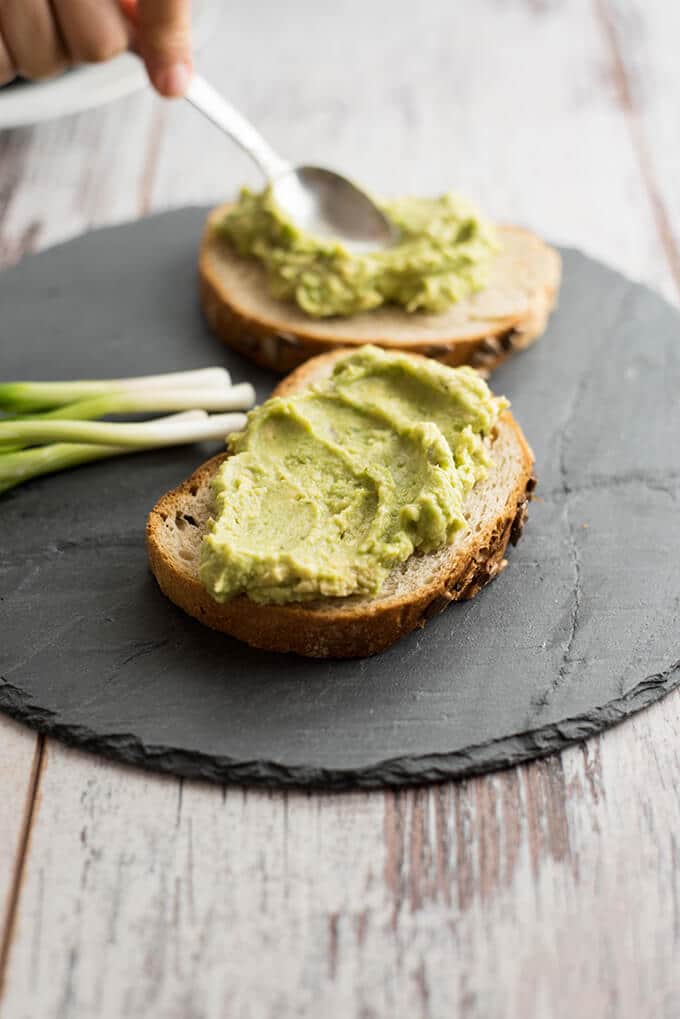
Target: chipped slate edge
398,771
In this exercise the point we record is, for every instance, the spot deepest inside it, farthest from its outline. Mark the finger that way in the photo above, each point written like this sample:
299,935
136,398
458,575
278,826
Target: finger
93,30
31,38
8,71
163,34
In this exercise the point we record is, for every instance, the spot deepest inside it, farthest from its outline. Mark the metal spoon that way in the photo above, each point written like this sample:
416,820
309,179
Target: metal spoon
320,202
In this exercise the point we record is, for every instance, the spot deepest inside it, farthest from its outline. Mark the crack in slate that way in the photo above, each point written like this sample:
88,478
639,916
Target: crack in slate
124,539
567,664
141,652
145,649
614,316
89,543
39,647
565,490
667,483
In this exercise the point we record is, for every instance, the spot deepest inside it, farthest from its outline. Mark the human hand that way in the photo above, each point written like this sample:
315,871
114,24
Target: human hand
39,38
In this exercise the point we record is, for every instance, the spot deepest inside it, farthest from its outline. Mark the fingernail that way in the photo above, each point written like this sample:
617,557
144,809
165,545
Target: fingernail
173,80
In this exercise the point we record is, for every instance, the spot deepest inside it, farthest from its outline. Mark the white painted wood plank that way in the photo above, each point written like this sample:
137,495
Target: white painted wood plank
69,175
644,37
17,758
552,890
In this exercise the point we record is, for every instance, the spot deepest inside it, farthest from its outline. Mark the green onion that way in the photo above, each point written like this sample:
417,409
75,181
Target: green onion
34,396
29,463
179,429
216,398
48,426
135,435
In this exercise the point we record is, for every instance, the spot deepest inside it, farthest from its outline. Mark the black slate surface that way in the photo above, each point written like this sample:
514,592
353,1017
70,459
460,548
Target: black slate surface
580,630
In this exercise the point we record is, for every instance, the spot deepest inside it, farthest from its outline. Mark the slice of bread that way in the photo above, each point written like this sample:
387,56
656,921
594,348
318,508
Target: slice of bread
482,330
355,626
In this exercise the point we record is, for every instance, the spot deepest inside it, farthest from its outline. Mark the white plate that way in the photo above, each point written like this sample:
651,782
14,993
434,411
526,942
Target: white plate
86,87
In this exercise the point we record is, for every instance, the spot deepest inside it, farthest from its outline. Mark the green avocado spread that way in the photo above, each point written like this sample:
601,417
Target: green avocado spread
329,489
442,255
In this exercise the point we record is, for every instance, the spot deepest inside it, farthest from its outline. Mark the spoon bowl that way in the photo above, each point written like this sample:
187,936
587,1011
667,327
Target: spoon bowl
318,201
330,207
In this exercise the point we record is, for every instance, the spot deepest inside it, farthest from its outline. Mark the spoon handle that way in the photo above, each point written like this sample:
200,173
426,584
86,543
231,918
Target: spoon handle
212,105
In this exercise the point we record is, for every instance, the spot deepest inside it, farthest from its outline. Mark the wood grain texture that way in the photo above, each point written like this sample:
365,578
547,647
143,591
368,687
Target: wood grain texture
72,174
20,756
645,79
552,890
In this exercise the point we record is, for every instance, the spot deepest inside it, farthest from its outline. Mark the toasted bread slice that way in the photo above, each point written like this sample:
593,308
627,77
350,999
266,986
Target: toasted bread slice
355,626
482,330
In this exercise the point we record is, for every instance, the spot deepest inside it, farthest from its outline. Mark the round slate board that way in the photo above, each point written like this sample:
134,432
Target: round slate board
578,632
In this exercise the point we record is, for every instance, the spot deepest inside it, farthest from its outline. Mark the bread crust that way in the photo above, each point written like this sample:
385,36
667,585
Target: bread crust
274,339
342,627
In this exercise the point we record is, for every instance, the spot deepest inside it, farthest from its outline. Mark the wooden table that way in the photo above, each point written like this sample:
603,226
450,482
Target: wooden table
551,890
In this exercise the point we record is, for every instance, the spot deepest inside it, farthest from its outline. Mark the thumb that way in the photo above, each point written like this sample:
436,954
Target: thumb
163,40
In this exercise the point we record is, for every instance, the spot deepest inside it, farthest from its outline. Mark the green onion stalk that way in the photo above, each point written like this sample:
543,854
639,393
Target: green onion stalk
18,466
28,397
50,426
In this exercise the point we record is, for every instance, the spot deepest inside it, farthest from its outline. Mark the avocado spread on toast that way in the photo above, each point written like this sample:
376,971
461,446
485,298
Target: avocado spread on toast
442,255
331,488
